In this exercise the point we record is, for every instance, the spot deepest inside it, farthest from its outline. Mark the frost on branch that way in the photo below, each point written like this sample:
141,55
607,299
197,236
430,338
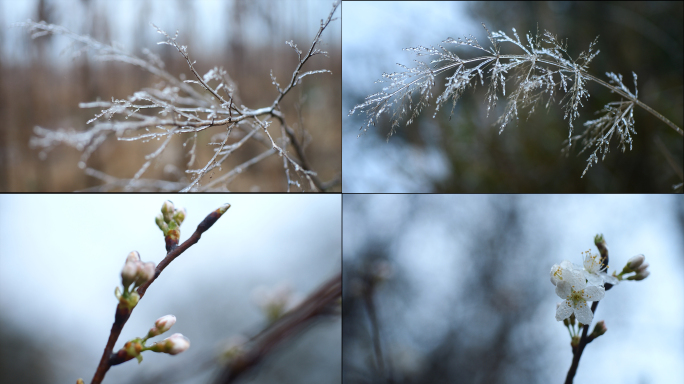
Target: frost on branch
184,108
532,78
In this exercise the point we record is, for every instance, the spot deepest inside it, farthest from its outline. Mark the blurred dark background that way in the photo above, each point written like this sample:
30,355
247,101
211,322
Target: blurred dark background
465,153
455,288
42,86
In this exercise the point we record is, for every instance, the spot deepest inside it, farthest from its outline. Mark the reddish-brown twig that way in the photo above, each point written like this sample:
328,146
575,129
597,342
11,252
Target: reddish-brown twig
123,313
321,302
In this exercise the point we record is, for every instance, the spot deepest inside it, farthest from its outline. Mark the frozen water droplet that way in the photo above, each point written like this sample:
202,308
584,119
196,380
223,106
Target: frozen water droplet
81,164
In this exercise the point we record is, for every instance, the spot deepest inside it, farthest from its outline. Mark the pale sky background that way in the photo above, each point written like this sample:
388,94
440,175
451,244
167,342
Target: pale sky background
374,35
61,258
428,236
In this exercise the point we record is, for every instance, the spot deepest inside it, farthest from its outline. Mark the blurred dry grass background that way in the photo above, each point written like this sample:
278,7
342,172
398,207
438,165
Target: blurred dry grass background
42,93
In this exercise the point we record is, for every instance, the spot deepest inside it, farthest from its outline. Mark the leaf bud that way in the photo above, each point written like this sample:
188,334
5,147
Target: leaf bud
222,209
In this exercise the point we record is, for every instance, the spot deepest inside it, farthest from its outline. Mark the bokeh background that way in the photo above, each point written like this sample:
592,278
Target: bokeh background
41,84
466,153
61,258
459,288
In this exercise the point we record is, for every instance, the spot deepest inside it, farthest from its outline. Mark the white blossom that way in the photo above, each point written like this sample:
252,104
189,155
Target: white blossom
573,288
592,270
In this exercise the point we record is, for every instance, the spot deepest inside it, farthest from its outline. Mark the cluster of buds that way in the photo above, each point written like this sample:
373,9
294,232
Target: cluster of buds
133,274
169,221
172,345
635,264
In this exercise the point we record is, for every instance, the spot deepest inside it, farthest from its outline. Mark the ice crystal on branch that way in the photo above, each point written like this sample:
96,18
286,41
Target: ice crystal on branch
543,68
185,107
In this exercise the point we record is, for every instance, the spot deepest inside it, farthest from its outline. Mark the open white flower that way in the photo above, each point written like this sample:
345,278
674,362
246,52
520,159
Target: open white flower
573,288
559,270
592,270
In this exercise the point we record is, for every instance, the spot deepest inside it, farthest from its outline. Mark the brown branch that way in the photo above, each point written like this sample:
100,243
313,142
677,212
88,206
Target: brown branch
577,351
123,313
321,302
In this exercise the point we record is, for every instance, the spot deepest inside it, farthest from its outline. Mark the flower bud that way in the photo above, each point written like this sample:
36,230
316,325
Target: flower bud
641,275
172,345
642,268
133,256
179,216
159,219
599,329
162,325
222,209
129,272
167,210
144,273
635,261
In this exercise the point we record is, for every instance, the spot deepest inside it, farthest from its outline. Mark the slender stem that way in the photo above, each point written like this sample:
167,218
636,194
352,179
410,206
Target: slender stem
375,329
123,313
318,304
637,102
577,351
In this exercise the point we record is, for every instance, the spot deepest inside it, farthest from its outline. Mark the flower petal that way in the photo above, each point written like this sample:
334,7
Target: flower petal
593,279
576,280
583,313
593,293
563,310
563,289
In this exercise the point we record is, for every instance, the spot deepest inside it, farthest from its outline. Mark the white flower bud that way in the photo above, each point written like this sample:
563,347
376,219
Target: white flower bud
165,323
145,273
634,262
172,345
641,275
133,256
179,343
128,273
162,325
167,210
642,268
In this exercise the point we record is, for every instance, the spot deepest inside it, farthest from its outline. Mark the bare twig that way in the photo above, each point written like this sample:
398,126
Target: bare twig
323,301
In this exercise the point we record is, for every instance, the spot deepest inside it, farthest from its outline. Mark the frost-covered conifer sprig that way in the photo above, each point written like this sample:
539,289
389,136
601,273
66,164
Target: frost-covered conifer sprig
589,282
136,277
185,108
544,68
